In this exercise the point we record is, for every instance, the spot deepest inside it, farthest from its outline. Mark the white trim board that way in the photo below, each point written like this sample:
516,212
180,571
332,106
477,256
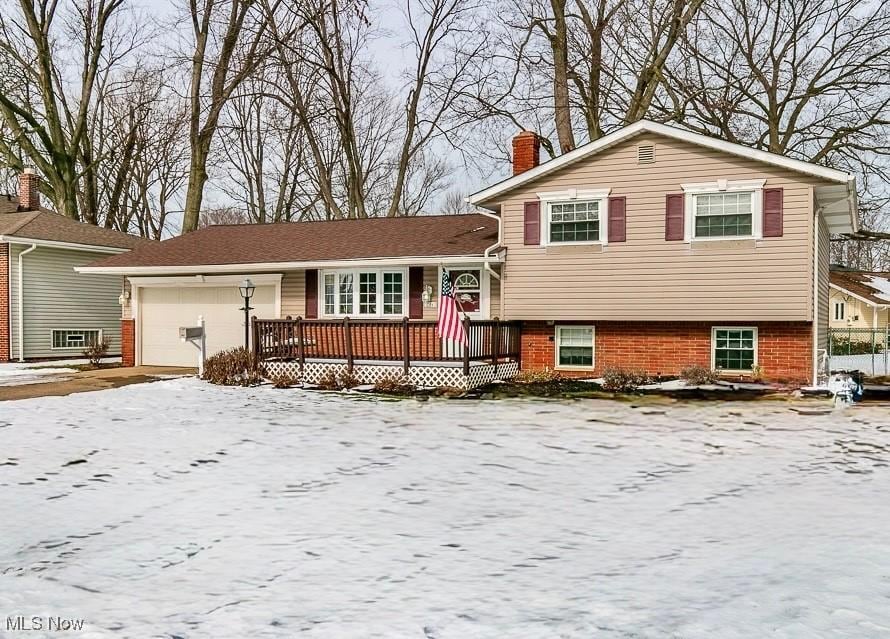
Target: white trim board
647,126
846,181
201,269
14,239
858,297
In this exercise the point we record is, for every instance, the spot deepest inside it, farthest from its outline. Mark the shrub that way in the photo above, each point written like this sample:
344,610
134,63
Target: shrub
96,351
234,367
540,376
328,380
850,346
348,380
394,385
283,380
331,380
620,380
696,374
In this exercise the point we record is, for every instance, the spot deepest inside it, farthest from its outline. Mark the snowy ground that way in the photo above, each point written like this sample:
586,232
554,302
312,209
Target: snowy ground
19,373
177,509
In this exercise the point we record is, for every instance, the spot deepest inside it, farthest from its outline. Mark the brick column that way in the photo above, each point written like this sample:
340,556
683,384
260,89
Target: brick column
4,303
128,342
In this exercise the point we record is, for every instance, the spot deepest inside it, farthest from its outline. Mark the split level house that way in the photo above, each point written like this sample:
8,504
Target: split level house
47,309
652,248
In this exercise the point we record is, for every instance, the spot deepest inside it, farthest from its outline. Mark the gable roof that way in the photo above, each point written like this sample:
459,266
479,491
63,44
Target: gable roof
296,244
869,286
846,195
52,228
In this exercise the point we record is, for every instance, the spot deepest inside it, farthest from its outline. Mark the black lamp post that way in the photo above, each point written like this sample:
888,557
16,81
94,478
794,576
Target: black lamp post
247,288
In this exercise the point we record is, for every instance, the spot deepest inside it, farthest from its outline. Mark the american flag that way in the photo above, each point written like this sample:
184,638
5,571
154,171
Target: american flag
449,325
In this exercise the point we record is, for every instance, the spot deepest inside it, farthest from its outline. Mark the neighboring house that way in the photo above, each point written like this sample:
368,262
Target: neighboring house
859,299
47,310
651,248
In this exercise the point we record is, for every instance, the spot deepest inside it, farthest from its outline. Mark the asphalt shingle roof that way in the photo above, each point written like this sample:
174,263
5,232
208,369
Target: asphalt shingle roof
427,236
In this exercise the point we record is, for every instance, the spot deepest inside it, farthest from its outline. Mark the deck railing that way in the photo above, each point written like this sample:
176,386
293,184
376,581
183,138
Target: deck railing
382,340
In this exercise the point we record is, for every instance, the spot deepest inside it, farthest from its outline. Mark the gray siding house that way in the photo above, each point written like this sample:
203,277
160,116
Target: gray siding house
47,310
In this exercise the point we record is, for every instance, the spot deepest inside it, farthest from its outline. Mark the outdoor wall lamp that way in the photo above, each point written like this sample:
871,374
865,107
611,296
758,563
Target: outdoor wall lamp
427,295
247,288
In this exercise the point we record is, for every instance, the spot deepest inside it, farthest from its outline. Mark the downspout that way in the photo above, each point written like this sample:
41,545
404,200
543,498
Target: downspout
487,256
817,229
21,300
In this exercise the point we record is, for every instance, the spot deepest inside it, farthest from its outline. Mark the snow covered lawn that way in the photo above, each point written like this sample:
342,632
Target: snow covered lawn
178,509
18,373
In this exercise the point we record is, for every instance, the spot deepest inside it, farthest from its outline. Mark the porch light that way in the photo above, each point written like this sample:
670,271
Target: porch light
247,288
427,295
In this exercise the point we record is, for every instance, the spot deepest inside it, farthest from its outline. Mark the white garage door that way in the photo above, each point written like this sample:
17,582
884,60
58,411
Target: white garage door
163,310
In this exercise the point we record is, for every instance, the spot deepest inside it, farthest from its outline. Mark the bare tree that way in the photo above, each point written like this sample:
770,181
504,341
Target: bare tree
229,45
40,42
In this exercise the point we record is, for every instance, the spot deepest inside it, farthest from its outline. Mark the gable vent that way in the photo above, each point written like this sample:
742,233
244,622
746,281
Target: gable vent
646,154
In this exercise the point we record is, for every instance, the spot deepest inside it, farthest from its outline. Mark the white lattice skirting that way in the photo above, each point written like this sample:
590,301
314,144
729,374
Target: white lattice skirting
421,375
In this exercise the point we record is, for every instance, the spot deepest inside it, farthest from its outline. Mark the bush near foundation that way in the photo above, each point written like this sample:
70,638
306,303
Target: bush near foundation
96,351
331,380
234,367
537,376
621,380
394,385
696,375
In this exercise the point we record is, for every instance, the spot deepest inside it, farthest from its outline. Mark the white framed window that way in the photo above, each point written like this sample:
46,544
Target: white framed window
840,311
724,210
575,347
734,348
75,338
574,216
364,293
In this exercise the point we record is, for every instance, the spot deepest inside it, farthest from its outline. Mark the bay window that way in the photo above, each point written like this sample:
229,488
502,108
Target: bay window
364,293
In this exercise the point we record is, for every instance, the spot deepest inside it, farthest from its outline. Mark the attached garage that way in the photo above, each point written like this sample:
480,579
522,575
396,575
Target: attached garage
164,306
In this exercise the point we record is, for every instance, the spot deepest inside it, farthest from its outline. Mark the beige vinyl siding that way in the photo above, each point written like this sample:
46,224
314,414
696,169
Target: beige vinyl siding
55,297
646,277
293,294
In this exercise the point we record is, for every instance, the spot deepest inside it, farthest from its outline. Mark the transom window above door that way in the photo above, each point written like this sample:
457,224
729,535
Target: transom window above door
364,293
467,285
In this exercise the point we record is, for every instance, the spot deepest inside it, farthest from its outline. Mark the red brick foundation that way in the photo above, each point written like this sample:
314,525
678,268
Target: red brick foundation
665,348
128,342
4,303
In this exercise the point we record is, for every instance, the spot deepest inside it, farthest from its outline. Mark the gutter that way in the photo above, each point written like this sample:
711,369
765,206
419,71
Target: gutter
275,267
14,239
21,301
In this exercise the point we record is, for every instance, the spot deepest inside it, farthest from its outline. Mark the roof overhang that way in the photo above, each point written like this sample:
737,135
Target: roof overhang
14,239
858,297
839,206
207,269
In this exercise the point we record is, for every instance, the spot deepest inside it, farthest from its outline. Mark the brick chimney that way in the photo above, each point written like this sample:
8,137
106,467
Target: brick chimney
29,196
526,151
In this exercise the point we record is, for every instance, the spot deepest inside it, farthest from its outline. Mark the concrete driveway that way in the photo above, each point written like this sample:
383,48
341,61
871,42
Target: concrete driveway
83,381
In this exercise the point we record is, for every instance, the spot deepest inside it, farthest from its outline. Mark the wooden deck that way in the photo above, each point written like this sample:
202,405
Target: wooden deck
404,342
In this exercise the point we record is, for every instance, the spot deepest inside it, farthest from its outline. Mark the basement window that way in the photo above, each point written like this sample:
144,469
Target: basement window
734,348
574,347
75,338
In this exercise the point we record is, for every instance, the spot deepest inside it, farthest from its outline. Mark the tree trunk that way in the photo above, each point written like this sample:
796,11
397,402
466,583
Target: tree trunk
561,107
